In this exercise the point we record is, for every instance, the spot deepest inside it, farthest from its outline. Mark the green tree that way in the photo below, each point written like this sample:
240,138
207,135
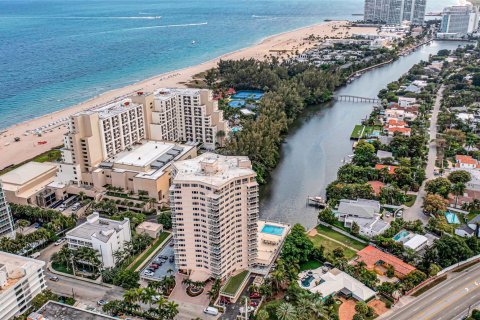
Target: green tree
286,311
364,154
458,189
327,215
459,176
434,203
166,220
441,186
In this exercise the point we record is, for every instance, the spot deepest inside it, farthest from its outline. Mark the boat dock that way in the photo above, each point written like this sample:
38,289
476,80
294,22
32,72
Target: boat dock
316,202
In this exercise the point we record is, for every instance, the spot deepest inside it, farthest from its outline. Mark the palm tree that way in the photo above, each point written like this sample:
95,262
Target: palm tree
458,189
170,310
319,309
147,295
286,311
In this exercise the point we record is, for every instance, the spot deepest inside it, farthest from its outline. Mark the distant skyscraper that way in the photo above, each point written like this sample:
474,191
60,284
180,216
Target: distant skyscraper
393,12
6,221
459,20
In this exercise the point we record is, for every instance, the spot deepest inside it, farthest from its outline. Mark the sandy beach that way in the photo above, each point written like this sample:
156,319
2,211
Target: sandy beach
28,147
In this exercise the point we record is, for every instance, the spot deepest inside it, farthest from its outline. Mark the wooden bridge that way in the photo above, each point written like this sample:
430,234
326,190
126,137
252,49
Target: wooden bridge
355,99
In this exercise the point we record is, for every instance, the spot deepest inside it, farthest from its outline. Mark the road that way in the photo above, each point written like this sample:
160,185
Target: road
448,300
85,292
416,211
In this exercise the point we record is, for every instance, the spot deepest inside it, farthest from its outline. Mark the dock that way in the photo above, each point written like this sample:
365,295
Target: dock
318,202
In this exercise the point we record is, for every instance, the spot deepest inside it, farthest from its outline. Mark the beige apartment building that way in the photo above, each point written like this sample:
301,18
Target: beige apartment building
214,202
145,169
184,115
98,134
29,184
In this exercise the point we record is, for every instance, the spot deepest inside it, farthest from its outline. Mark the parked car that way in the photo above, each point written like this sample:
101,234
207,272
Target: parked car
36,225
254,303
60,241
102,302
171,259
249,309
255,295
35,255
211,311
53,278
62,207
148,273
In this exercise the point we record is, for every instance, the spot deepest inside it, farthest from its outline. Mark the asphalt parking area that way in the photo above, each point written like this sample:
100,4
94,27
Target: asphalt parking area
164,264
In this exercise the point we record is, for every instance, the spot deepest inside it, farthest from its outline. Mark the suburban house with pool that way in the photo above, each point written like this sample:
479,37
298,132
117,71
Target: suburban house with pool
334,282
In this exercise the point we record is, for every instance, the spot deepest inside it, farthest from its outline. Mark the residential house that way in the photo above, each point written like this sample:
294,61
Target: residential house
365,213
391,169
379,261
406,101
469,229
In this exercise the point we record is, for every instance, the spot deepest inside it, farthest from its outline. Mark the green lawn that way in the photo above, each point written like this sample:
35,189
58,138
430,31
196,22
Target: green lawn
340,237
61,268
357,132
310,265
233,284
330,245
147,253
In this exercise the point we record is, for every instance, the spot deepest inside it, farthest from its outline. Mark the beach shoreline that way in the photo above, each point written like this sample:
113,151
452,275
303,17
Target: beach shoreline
279,44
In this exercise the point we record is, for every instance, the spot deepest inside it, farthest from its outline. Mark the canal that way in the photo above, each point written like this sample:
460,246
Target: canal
320,139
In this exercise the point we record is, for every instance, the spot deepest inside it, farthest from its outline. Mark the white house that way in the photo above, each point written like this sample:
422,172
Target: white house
21,279
334,282
405,101
104,235
365,213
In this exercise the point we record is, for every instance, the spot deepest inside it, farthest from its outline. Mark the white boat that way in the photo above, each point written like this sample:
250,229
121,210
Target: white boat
193,42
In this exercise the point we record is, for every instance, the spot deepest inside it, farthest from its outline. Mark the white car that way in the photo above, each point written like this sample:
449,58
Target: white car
249,309
148,273
60,241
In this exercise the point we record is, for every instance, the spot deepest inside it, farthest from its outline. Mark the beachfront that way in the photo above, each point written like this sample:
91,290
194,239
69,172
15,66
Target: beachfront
53,124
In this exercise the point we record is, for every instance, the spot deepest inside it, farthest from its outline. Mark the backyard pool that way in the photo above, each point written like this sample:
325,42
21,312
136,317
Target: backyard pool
451,218
271,229
402,234
307,280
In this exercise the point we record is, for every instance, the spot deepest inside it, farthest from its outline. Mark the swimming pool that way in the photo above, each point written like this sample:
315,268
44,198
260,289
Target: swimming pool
306,281
271,229
237,103
254,95
451,218
402,234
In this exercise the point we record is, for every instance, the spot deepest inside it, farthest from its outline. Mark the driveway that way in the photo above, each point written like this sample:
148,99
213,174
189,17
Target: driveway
416,211
162,271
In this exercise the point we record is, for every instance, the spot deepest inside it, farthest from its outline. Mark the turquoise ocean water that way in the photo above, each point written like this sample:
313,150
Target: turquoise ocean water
55,53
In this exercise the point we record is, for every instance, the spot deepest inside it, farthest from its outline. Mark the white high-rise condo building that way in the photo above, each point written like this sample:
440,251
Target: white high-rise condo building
6,220
214,202
189,115
459,21
21,279
394,12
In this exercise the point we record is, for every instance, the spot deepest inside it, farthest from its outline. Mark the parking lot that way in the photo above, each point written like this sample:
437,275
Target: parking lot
164,265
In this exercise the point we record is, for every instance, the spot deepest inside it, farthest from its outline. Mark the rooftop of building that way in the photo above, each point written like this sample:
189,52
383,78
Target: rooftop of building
97,227
149,152
372,256
167,93
16,267
111,108
58,311
27,173
359,207
148,225
269,243
213,169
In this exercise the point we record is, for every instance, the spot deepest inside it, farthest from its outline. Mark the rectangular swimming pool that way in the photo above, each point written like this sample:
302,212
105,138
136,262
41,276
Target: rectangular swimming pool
271,229
402,234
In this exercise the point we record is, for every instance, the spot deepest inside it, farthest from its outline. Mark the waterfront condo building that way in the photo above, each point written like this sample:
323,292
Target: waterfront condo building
394,12
104,235
459,21
21,279
189,115
214,203
98,134
6,220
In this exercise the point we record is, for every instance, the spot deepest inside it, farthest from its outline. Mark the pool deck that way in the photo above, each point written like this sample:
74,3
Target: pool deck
269,244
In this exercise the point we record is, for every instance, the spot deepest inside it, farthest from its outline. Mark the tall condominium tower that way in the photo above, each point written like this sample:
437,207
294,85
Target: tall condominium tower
189,115
98,134
6,220
393,12
460,20
214,202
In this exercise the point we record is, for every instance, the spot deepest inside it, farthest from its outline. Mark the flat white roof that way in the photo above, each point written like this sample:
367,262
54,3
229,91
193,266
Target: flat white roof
223,169
15,265
416,241
144,154
111,108
26,173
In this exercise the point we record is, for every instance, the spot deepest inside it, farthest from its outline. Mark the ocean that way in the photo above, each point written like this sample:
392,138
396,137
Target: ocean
56,53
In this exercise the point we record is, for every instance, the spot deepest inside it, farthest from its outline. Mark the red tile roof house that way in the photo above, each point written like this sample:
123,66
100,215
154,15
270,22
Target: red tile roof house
377,187
466,162
403,131
391,169
378,261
